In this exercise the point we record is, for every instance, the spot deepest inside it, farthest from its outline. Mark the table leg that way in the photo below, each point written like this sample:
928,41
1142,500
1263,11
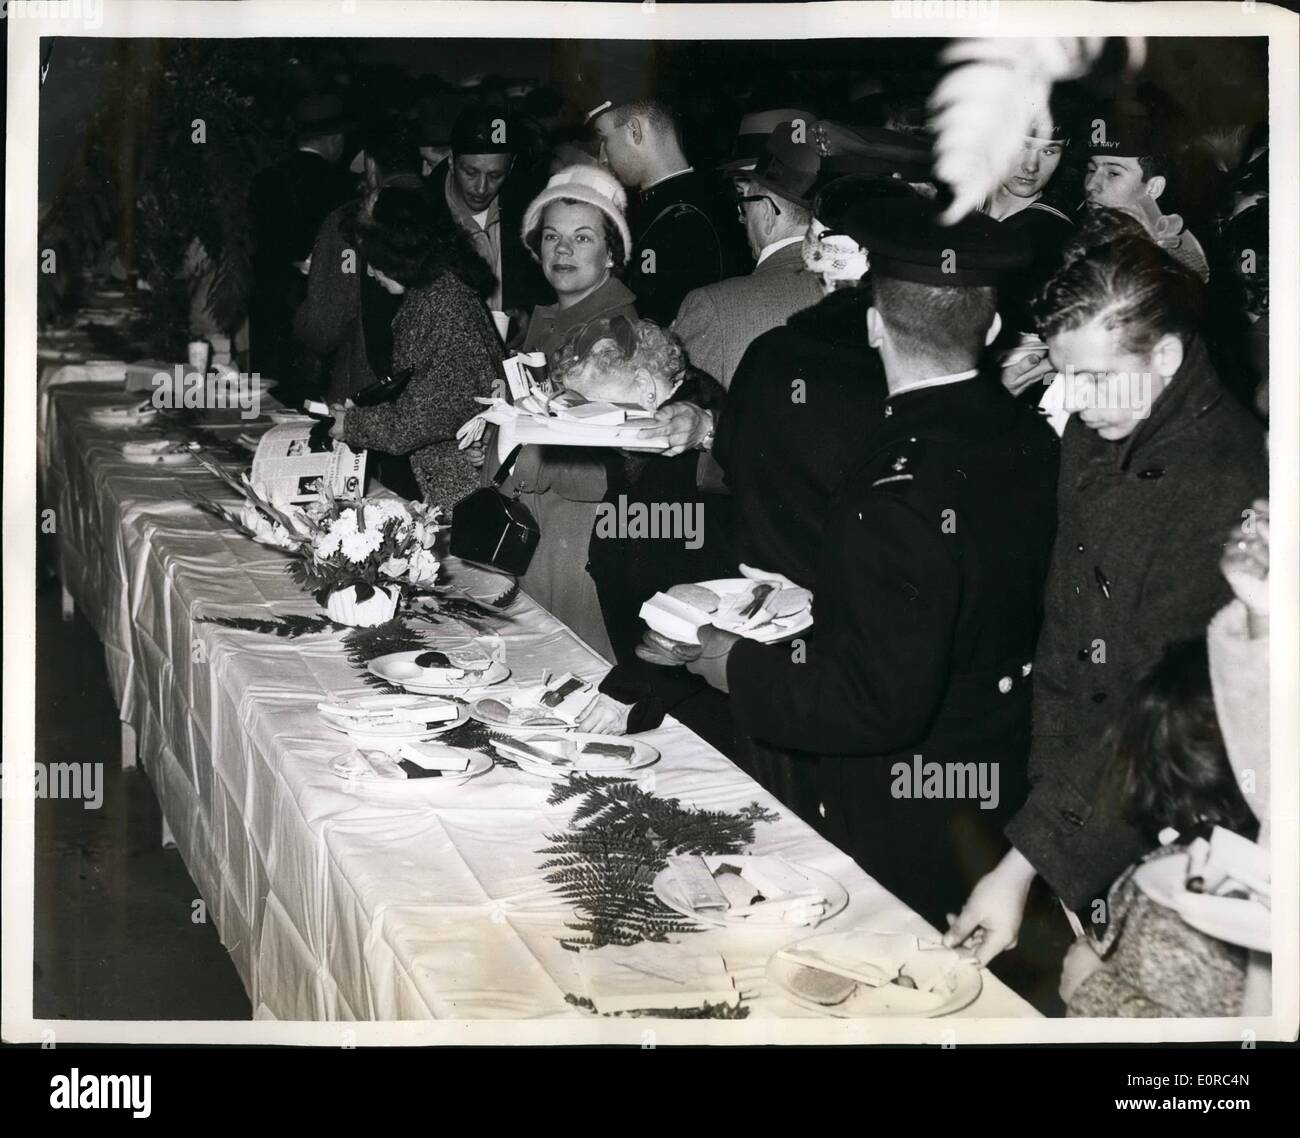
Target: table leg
128,747
69,605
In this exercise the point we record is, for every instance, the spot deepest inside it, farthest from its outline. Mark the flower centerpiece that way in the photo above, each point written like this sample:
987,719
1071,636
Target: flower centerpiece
364,555
360,557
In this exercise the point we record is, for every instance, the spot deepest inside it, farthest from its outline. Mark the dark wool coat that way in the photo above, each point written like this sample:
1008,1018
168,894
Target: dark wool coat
1135,566
288,202
444,336
926,602
696,240
347,315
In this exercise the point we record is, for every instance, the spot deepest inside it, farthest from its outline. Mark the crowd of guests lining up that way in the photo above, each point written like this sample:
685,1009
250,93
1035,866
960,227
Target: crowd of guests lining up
851,394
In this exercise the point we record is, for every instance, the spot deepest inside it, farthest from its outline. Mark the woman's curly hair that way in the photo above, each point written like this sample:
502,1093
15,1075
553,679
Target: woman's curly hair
620,343
1168,754
406,239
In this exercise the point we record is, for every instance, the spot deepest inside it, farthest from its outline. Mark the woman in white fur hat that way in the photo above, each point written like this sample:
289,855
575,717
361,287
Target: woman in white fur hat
577,230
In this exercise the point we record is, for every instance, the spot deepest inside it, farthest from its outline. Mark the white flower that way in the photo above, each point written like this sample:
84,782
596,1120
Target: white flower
423,569
346,522
394,567
360,545
381,510
327,544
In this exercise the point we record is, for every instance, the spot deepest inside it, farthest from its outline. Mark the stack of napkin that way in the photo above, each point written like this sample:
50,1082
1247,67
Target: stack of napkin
411,760
765,890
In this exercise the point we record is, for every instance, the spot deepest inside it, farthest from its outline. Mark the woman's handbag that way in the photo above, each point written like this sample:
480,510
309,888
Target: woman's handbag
493,529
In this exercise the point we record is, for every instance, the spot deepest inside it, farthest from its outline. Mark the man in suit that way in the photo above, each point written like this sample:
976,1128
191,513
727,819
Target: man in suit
288,201
478,186
927,591
718,322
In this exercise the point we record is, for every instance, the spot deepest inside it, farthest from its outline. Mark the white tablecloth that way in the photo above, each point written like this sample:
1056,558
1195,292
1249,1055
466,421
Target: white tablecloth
343,900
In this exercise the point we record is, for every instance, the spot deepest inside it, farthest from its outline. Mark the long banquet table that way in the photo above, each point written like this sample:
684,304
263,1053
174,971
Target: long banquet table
346,900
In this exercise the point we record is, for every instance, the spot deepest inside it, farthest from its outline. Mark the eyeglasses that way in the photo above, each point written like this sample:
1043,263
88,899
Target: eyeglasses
741,199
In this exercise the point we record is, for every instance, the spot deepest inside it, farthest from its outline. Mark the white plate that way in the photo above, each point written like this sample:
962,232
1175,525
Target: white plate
1236,920
775,631
522,731
117,417
676,620
381,735
665,887
400,668
888,1000
166,458
384,736
643,755
479,764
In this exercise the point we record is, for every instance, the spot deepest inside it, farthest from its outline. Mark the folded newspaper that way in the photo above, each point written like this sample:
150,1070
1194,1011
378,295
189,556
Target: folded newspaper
293,457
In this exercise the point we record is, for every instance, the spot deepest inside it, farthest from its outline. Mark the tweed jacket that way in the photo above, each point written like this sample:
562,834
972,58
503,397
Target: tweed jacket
444,336
1157,965
718,322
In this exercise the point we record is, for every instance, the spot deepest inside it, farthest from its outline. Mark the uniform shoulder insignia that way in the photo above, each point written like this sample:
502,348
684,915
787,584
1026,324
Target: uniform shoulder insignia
891,478
899,463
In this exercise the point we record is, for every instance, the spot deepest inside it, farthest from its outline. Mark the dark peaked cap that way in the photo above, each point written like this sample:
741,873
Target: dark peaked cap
624,74
1124,129
905,241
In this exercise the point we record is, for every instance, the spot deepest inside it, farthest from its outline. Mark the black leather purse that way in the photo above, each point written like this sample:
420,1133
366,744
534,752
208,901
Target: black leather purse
493,529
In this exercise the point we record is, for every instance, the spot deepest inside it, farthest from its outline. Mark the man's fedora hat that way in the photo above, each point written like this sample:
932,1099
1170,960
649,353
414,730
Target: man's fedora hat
317,115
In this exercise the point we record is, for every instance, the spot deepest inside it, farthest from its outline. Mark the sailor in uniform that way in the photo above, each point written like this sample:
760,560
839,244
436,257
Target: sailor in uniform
909,705
685,233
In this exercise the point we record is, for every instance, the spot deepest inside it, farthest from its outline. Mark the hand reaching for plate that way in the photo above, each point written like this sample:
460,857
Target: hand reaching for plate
604,716
989,922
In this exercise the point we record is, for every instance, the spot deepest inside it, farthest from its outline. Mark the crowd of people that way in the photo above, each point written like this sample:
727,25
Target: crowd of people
1019,461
